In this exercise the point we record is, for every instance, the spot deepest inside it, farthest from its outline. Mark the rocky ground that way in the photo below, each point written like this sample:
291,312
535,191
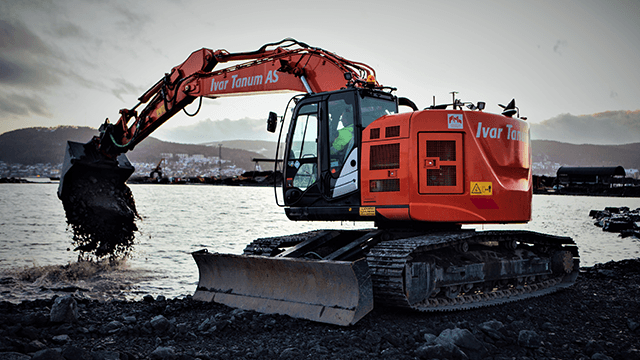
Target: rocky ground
598,318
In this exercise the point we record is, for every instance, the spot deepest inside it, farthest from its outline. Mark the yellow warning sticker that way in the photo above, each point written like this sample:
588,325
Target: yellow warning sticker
368,211
161,110
481,188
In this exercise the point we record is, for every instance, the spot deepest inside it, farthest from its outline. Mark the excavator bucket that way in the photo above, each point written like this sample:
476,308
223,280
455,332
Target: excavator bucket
84,160
98,205
333,292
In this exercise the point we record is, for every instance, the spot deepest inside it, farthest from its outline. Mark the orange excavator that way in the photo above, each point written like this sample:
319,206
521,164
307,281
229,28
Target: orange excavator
350,154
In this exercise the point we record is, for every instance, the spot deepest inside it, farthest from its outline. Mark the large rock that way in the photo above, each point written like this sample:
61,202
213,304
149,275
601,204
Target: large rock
529,339
75,353
461,338
160,324
64,309
492,329
163,353
13,356
441,351
47,354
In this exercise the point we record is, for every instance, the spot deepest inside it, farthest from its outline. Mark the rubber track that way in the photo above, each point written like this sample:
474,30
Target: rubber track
387,262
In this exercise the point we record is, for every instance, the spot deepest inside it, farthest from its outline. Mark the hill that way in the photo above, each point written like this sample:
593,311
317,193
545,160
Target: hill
31,146
546,153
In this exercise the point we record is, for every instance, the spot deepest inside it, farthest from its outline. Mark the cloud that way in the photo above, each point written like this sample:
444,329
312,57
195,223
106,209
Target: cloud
23,57
606,128
219,130
125,87
559,46
68,30
12,105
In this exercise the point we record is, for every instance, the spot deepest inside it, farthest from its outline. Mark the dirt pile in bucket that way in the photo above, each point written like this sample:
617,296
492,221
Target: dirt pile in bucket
101,212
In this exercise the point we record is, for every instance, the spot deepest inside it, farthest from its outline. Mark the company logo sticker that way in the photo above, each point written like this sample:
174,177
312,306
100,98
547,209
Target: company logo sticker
481,188
455,121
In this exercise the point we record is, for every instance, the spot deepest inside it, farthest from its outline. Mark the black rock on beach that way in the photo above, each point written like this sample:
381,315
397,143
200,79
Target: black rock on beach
618,219
597,318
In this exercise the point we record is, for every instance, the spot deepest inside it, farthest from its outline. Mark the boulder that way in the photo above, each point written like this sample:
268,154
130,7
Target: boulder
75,353
64,309
529,339
163,353
441,351
160,324
48,354
462,338
492,329
13,356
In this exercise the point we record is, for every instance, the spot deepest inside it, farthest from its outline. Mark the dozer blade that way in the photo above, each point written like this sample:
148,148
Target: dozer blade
83,160
333,292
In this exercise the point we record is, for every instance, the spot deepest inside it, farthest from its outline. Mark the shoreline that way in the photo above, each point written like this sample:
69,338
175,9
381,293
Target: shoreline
597,318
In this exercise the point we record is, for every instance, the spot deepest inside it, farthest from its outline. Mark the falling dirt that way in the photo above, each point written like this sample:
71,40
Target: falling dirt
101,212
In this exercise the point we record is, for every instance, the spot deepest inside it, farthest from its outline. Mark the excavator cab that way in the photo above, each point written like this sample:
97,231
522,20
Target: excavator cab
322,162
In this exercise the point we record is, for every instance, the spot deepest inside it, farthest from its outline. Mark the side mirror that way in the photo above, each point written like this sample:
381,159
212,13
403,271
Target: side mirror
481,105
272,122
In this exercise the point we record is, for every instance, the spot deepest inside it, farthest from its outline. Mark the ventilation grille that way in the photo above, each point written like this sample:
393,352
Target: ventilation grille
392,131
386,185
445,176
445,150
384,157
374,133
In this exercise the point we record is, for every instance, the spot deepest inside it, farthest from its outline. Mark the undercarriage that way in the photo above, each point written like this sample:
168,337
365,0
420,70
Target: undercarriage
444,270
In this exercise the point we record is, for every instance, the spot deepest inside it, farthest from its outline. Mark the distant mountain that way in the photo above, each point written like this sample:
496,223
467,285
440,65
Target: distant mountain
31,146
46,145
627,156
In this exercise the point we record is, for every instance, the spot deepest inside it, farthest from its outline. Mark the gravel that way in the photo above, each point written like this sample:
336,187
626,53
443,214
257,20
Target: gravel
597,318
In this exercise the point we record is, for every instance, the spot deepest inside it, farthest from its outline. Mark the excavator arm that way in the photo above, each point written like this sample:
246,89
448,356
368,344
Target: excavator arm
286,66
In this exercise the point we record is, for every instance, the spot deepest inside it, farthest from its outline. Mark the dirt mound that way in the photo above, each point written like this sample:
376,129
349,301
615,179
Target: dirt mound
101,212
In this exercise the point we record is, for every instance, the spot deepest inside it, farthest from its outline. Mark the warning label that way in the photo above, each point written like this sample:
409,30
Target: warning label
368,211
481,188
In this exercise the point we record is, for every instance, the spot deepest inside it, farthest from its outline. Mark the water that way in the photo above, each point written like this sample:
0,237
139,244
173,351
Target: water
180,219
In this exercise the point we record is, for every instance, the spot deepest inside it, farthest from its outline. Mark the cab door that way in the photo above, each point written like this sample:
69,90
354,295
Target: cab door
301,172
343,135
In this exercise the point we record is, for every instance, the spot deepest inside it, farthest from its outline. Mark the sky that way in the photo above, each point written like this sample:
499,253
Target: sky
572,66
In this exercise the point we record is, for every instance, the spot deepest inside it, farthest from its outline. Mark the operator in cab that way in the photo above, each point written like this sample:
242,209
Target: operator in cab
341,125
